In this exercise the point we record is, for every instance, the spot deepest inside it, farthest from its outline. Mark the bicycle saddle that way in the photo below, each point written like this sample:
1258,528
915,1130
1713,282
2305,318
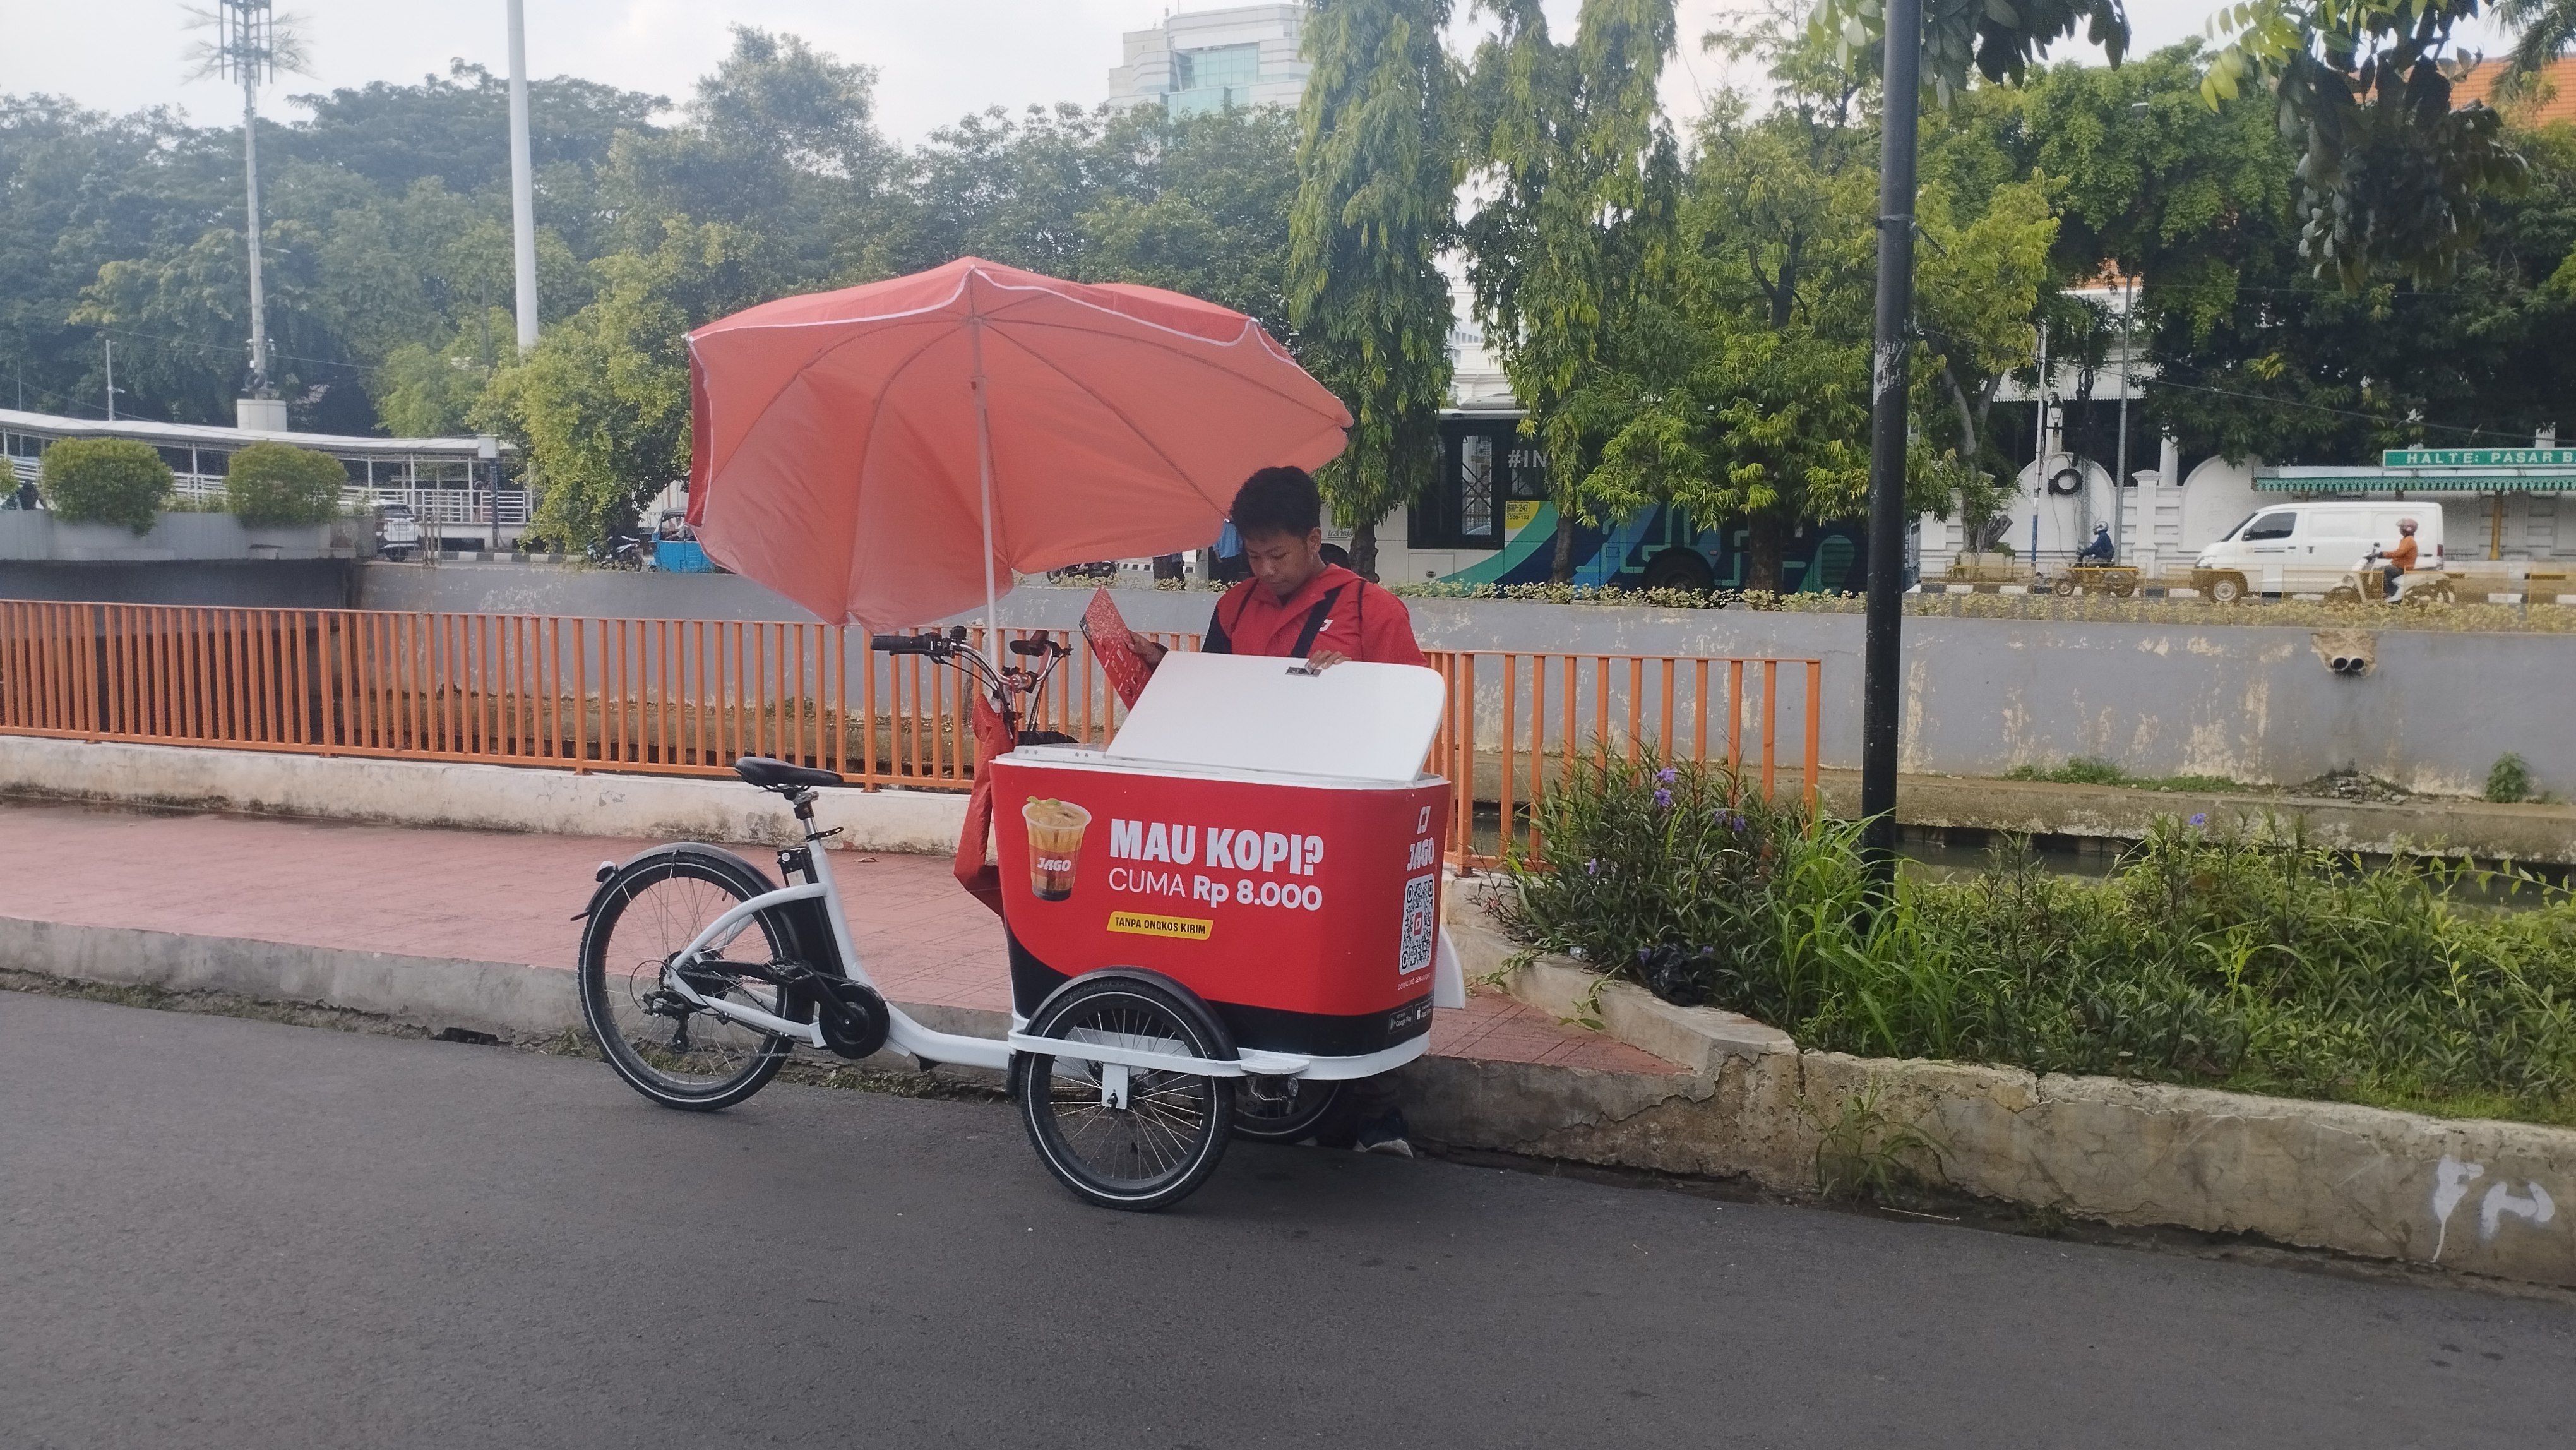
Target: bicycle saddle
770,774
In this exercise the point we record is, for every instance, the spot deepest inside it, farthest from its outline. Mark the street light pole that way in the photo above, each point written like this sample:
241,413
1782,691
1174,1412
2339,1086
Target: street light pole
1890,366
2120,467
523,198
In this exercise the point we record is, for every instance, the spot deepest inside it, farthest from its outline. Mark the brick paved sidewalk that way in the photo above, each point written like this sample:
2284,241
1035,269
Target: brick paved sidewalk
500,897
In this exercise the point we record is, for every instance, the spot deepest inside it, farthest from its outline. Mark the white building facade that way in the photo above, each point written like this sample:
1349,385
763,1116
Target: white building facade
1208,60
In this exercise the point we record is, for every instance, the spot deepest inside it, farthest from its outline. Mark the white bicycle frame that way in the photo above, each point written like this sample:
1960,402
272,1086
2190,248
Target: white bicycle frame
907,1035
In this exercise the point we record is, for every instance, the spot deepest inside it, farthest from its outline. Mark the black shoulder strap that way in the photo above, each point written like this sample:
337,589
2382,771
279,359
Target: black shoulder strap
1217,641
1315,618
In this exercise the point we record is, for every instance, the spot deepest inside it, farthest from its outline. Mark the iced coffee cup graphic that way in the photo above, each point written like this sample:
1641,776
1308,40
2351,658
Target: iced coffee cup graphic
1055,844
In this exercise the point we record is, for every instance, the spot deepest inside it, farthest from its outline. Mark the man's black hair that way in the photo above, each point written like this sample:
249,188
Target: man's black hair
1278,501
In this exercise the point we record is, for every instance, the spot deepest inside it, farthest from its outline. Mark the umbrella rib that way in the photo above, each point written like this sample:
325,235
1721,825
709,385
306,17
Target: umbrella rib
1114,410
1206,363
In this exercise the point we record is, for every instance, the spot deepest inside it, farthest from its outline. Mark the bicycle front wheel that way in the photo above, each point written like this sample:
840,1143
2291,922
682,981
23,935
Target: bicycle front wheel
667,1047
1129,1138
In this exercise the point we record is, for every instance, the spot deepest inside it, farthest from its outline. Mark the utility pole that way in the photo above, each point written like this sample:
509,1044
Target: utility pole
1890,366
111,376
2120,473
523,192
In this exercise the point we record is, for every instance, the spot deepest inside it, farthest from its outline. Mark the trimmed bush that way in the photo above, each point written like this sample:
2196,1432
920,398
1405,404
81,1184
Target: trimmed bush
2252,962
279,483
105,481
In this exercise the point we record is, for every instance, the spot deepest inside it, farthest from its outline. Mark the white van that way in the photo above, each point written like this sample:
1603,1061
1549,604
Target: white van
2308,548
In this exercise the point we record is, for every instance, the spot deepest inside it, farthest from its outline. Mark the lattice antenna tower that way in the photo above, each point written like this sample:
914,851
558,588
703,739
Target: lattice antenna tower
252,44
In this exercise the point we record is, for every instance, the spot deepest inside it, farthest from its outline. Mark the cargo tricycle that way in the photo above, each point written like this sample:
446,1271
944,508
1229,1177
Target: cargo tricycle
1212,923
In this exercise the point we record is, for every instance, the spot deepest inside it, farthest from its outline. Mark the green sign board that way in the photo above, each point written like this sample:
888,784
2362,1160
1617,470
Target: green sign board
2478,458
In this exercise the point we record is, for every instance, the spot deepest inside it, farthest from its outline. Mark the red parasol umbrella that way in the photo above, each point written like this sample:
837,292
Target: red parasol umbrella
880,453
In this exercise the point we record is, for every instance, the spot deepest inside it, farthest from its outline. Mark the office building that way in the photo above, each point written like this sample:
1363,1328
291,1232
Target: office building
1207,60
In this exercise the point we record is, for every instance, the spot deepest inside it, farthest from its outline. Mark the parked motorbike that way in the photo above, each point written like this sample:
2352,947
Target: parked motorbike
624,549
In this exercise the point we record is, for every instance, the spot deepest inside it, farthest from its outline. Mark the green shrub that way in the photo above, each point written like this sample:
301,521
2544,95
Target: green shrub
2254,962
2082,770
279,483
105,481
2510,780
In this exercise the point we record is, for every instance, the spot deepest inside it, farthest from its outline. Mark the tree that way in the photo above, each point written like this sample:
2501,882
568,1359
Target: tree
105,481
1741,391
2543,29
1582,176
279,483
2249,350
2388,171
1377,178
781,145
1200,204
602,404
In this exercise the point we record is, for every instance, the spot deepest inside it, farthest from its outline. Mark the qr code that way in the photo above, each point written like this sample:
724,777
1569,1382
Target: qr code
1420,894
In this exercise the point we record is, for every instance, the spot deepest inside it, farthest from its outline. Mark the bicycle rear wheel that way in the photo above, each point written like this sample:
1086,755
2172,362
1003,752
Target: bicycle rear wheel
1120,1137
1294,1109
667,1047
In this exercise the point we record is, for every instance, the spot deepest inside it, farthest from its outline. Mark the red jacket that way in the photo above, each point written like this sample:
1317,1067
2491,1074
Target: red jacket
1349,615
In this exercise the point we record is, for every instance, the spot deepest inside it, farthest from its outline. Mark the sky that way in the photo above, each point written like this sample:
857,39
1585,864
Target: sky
936,59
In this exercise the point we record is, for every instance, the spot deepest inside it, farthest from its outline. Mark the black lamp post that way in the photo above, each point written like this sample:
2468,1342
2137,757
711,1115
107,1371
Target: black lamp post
1889,369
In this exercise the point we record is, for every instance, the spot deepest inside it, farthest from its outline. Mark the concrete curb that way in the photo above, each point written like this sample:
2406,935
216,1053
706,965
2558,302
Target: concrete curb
2483,1196
432,992
482,797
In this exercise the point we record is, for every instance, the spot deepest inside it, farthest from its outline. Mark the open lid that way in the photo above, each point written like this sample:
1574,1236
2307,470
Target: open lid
1257,712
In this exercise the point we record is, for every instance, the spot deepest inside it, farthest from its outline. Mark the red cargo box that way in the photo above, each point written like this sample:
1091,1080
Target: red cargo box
1278,853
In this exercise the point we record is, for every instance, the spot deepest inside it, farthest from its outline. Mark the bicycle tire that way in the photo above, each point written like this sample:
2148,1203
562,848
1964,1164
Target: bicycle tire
748,1057
1175,1125
1310,1105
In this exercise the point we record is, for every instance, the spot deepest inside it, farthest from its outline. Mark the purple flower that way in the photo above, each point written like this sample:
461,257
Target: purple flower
1734,822
1668,775
1592,867
2200,819
1663,798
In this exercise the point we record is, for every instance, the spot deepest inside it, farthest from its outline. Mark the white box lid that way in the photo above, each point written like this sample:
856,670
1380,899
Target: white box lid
1252,712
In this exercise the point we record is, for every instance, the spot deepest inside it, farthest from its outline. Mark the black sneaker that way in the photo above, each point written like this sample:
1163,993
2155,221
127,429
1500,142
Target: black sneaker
1385,1135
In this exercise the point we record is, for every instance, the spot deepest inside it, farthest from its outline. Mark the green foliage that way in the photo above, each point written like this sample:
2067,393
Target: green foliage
2085,770
2082,770
1577,234
279,483
2255,962
2389,172
2510,780
2252,354
603,401
1864,1153
105,481
1377,185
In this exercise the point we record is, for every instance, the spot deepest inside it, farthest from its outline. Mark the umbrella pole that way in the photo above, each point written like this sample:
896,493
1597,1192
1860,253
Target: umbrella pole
984,468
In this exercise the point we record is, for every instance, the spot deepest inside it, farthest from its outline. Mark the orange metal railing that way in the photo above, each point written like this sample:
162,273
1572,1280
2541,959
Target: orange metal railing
687,696
1518,720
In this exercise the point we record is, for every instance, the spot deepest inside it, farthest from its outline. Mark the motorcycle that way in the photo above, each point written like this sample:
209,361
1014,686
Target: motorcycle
2365,583
621,550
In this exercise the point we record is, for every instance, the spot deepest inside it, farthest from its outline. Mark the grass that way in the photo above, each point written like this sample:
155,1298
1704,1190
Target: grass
2085,770
2255,962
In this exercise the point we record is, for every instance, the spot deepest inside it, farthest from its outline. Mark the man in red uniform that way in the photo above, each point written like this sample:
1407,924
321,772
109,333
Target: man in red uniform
1296,605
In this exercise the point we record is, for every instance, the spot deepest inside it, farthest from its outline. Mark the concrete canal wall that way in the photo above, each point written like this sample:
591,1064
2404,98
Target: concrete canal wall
2254,703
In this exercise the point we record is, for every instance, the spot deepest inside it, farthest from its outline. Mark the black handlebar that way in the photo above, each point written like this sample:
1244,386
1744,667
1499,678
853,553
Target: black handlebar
902,644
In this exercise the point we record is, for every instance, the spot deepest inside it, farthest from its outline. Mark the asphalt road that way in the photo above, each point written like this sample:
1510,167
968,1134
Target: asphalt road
217,1232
